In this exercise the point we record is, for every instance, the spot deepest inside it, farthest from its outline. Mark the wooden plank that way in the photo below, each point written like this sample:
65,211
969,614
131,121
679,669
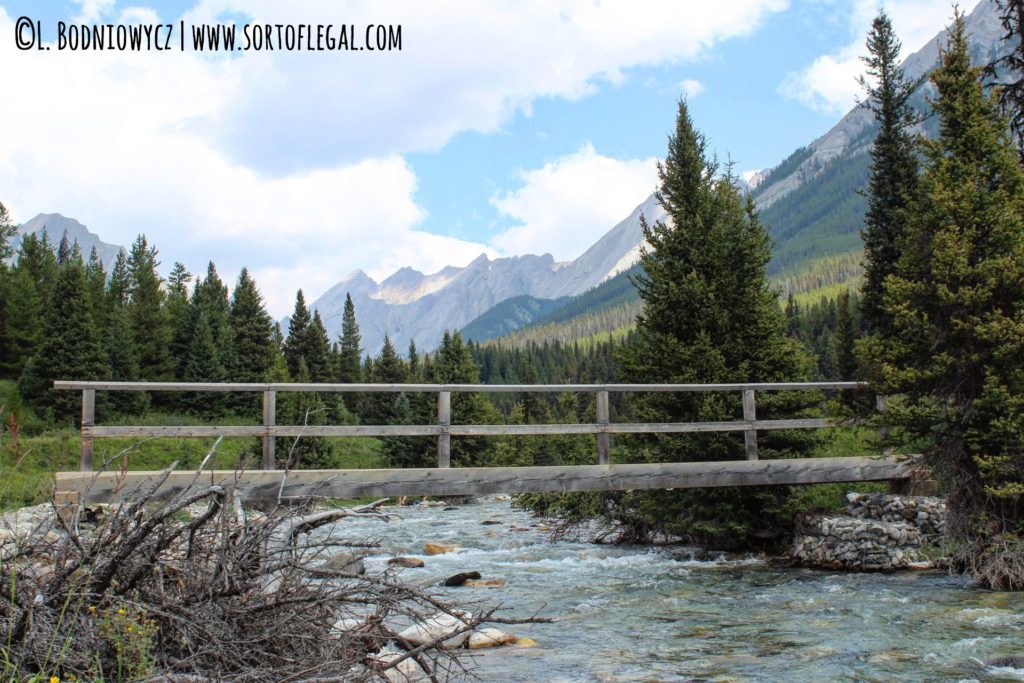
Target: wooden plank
269,420
444,420
110,486
750,415
434,388
88,420
603,438
290,431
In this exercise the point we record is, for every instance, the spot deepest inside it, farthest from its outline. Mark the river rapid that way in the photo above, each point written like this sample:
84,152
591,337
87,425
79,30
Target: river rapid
636,613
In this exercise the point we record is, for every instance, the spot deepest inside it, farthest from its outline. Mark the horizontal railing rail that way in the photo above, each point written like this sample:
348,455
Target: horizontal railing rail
443,429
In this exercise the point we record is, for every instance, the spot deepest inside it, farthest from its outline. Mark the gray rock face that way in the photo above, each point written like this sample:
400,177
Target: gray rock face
56,225
985,34
410,305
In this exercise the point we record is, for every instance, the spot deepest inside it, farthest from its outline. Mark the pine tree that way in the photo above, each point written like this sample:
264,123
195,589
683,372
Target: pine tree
708,316
893,182
64,250
7,232
21,328
177,307
316,349
36,256
1008,71
119,286
957,302
147,317
295,343
454,364
844,338
69,349
253,329
349,368
96,287
203,365
123,361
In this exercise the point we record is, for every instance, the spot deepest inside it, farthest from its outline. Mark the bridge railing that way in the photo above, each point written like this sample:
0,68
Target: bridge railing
443,429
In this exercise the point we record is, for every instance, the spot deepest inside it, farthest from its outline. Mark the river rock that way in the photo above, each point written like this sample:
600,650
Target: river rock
345,562
440,548
439,627
490,637
460,578
491,521
410,562
526,642
406,671
483,583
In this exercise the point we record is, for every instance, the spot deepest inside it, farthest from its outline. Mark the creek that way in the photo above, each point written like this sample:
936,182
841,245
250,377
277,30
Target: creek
637,613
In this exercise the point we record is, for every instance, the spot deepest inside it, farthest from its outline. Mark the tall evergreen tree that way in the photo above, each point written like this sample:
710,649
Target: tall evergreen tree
957,302
294,345
123,362
349,360
203,365
709,315
96,287
7,232
893,183
1007,71
177,307
454,364
63,250
36,256
119,285
69,349
21,326
844,338
316,349
254,332
147,317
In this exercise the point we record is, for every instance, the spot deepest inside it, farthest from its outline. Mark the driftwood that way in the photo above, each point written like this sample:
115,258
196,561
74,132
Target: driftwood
189,588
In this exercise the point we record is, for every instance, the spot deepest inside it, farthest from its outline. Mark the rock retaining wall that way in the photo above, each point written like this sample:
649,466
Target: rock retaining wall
881,532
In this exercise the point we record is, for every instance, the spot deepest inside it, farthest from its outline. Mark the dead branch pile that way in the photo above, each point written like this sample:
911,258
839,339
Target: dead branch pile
147,593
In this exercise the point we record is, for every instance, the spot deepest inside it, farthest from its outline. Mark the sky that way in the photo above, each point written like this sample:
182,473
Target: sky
504,127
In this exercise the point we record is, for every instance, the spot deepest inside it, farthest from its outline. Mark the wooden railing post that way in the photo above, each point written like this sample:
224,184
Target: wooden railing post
749,415
881,403
269,420
444,418
88,420
603,438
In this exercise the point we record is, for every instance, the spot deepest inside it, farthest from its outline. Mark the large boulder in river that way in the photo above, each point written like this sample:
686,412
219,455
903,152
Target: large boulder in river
345,562
441,627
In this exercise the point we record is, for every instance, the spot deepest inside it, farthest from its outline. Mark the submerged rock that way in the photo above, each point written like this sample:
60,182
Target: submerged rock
490,637
409,562
440,547
460,578
438,628
484,583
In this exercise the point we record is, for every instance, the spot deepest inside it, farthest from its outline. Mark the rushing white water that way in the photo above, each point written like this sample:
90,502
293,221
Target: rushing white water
660,614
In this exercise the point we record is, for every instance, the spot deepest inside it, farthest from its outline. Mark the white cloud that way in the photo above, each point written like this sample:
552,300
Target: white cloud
691,87
829,83
291,163
566,205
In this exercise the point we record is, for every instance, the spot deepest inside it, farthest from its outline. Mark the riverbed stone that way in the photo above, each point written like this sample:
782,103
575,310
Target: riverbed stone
490,637
439,627
484,583
345,562
440,547
460,578
406,671
880,532
408,562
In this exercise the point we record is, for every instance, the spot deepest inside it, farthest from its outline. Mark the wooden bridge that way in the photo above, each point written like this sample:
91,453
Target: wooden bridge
446,480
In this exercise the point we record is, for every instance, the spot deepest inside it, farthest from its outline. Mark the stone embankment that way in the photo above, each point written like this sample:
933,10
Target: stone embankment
880,532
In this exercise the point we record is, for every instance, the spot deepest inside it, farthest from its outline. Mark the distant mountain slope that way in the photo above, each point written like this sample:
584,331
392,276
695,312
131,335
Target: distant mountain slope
56,225
510,315
811,199
411,305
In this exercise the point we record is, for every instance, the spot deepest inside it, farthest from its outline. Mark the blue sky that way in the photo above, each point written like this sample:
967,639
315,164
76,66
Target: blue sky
500,127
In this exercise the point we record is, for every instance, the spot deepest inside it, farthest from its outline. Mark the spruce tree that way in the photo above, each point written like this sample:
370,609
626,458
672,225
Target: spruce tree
253,329
177,307
957,301
21,328
1007,71
203,365
454,364
69,349
123,361
316,349
349,368
844,338
64,250
709,316
96,286
147,317
893,182
294,345
7,232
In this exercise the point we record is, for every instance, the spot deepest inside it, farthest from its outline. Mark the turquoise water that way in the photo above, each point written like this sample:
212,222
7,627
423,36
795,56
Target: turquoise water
668,614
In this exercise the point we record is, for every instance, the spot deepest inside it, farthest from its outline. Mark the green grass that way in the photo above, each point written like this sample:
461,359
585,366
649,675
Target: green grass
27,464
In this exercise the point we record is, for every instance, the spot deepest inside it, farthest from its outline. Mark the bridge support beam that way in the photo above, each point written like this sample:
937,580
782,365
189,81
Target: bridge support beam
263,485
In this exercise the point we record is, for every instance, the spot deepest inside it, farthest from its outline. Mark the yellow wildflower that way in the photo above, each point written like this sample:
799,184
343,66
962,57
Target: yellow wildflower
54,679
120,611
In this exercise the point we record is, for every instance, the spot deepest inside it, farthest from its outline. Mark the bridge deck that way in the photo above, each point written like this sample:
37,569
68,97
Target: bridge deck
98,487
